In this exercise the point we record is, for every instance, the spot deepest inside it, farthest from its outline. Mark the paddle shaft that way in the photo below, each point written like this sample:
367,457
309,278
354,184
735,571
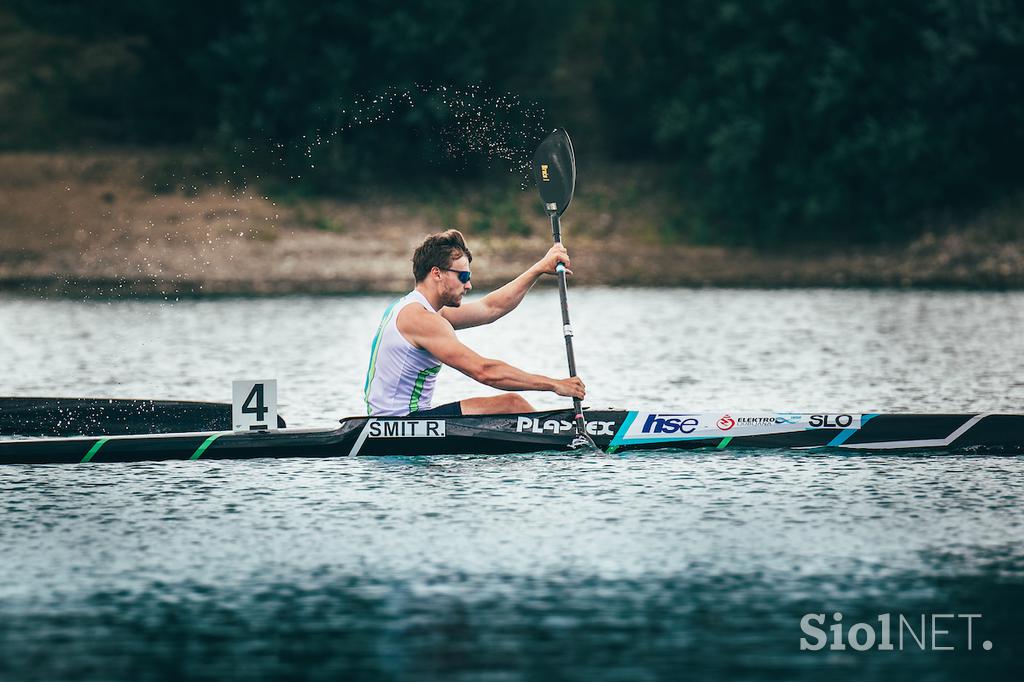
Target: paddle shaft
556,232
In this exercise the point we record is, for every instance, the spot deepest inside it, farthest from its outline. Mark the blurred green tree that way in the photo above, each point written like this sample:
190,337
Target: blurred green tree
839,121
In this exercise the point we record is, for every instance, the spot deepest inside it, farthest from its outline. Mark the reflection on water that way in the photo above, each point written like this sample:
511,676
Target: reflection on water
633,567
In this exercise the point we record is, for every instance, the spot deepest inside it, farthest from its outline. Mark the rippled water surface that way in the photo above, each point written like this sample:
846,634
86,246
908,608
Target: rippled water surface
662,566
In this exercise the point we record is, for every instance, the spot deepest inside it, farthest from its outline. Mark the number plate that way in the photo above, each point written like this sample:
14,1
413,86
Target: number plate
254,404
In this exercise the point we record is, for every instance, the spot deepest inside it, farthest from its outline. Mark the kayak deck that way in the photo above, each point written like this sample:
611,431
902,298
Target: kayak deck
612,430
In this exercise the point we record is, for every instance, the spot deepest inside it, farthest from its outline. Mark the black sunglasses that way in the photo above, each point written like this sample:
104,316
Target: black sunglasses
464,275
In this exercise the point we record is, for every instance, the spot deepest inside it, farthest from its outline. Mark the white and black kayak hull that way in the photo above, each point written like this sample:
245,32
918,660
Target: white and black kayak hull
612,431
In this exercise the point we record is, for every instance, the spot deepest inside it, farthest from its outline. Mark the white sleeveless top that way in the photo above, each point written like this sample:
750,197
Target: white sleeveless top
400,379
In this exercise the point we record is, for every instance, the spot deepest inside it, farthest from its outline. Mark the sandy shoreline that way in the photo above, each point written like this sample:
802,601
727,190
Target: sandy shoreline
304,262
93,225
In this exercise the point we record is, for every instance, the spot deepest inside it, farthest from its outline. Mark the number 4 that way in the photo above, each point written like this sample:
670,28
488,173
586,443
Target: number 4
260,409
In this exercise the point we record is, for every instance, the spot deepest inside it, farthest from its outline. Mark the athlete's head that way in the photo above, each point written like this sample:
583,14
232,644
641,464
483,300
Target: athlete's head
440,261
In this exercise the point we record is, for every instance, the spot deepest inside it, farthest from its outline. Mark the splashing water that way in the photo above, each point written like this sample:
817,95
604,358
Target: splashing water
465,124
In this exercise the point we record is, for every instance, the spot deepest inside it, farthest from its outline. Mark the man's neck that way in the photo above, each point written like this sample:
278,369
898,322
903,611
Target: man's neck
432,297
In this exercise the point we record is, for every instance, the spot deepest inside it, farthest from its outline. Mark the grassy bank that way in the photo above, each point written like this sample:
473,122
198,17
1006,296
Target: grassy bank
173,223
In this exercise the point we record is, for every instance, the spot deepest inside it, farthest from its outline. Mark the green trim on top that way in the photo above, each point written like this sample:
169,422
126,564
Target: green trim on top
417,389
93,450
371,370
206,443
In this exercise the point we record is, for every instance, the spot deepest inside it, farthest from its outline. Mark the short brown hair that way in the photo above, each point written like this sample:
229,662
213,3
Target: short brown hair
439,250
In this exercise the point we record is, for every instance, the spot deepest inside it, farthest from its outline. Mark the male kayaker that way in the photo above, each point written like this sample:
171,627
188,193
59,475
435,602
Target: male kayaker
417,336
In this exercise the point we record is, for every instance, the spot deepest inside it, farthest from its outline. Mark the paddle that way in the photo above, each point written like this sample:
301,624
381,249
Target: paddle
554,169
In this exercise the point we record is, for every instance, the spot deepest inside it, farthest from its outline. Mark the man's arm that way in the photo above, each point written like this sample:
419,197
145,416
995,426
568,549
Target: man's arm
501,302
436,335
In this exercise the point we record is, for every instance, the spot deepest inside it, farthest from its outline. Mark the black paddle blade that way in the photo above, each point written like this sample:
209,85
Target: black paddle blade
582,441
554,169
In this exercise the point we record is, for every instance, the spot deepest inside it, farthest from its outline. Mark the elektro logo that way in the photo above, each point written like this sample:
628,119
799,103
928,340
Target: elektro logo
670,423
757,421
726,423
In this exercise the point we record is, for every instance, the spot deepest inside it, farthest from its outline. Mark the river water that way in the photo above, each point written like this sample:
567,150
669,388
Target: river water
657,566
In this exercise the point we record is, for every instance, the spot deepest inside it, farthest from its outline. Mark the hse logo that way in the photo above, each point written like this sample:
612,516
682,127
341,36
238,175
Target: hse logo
831,421
670,423
532,425
401,428
725,423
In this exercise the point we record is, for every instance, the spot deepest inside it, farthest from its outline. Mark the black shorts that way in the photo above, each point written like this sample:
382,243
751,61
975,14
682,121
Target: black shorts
447,410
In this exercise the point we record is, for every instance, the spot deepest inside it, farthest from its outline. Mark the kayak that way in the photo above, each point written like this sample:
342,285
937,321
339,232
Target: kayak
613,431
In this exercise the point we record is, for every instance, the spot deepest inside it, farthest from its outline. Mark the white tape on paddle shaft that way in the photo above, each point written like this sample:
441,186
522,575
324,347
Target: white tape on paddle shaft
567,329
560,267
254,405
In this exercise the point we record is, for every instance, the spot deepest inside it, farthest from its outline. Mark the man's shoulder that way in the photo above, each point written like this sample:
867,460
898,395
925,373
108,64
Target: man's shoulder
418,318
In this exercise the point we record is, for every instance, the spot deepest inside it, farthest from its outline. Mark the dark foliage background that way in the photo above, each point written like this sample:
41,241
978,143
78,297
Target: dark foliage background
779,121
